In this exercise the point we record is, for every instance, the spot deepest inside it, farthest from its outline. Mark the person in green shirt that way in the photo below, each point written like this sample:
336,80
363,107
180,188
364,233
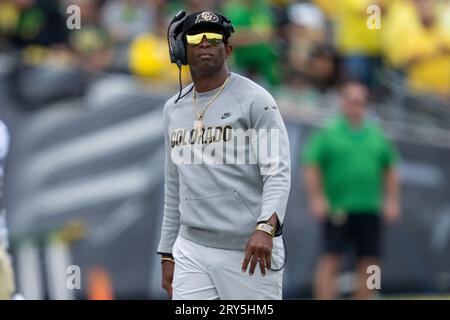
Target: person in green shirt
351,177
256,50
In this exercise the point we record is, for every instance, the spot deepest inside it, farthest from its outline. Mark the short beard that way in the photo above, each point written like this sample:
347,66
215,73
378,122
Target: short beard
207,70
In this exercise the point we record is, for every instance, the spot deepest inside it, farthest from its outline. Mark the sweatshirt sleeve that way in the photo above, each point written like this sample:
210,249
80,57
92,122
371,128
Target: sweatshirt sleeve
171,219
273,158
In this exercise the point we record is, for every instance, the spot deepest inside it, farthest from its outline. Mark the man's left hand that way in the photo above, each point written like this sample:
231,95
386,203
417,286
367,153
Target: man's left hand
258,249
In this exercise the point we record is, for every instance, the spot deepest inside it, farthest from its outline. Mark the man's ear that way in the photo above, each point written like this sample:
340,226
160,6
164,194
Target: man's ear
228,50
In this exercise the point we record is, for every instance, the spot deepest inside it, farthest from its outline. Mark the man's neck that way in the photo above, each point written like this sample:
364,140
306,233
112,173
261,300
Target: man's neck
205,83
356,124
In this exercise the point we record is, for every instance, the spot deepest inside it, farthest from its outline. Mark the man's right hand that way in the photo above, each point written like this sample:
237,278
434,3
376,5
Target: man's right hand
320,207
167,276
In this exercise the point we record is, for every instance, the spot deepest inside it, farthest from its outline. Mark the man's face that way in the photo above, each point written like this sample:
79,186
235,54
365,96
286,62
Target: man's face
207,58
354,101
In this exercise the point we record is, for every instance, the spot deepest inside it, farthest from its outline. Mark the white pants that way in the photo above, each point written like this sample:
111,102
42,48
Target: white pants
205,273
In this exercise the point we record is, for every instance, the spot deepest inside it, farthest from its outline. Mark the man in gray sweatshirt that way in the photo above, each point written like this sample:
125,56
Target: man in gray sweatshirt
227,174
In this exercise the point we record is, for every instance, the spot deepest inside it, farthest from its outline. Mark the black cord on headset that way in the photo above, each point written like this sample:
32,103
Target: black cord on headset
181,85
285,258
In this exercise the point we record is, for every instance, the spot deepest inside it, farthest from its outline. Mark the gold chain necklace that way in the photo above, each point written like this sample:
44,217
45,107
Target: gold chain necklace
198,124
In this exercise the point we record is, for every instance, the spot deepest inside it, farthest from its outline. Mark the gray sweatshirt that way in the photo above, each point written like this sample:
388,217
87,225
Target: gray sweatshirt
218,204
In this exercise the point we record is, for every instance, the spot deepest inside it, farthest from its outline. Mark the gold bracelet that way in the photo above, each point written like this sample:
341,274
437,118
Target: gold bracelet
267,228
163,259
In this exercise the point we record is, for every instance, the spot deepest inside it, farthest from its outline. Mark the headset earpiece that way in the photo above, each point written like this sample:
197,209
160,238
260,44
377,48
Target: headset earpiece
227,25
182,51
177,49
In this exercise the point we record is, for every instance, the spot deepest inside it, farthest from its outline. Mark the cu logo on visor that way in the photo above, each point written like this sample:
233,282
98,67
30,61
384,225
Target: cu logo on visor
206,16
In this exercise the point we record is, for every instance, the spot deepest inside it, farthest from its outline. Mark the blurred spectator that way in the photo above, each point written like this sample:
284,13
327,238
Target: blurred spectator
190,6
91,43
348,164
256,49
324,68
445,18
199,5
328,7
149,56
9,17
280,11
40,22
7,286
417,39
126,19
358,45
309,57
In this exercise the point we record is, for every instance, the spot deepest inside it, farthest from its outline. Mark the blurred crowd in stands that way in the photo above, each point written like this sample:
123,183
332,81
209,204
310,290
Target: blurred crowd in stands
399,47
